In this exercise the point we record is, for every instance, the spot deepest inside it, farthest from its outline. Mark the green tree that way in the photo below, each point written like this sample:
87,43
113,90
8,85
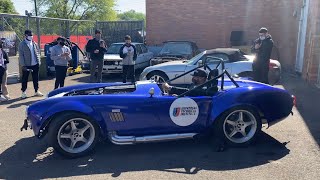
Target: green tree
78,9
6,6
131,15
101,10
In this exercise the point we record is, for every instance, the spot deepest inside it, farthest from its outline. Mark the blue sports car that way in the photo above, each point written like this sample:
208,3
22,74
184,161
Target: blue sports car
75,118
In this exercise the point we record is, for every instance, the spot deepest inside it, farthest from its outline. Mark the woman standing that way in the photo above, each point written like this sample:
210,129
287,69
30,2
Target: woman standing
4,60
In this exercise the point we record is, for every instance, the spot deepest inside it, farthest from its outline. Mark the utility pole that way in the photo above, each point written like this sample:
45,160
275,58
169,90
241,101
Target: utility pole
35,7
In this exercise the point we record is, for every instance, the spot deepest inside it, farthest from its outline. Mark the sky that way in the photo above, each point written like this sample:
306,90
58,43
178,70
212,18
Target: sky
122,5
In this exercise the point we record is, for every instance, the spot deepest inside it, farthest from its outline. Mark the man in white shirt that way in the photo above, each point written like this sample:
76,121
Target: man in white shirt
29,60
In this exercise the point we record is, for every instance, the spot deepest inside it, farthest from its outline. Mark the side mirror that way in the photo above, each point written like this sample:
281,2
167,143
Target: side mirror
151,92
200,63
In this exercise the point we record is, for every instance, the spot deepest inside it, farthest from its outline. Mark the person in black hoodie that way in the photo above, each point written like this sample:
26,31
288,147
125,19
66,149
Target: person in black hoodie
97,48
263,48
4,60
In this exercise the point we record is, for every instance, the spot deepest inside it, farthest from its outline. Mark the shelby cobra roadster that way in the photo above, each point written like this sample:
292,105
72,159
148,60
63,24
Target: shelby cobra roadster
75,118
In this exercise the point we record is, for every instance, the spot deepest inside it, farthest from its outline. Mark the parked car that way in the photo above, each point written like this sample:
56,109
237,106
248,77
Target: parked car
236,62
175,50
74,118
113,62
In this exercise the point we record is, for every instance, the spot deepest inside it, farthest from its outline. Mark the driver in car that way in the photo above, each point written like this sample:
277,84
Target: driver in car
199,77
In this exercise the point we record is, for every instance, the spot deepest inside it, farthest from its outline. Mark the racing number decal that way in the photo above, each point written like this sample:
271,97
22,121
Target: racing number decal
184,111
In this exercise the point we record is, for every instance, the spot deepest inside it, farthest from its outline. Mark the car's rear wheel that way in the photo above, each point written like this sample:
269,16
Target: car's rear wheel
157,76
73,135
238,126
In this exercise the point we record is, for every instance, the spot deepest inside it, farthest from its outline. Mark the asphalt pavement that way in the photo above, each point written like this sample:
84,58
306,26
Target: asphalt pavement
287,150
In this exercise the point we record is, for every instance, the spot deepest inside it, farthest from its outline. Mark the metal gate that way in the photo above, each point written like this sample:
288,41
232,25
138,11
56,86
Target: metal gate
115,31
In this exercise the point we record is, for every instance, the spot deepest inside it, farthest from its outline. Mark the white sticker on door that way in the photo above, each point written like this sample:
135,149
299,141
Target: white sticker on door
184,111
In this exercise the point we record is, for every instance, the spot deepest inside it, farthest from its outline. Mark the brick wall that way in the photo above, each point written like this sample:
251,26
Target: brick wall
210,22
312,48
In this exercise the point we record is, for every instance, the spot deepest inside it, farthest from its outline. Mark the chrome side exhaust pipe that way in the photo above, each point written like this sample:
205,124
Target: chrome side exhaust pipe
126,140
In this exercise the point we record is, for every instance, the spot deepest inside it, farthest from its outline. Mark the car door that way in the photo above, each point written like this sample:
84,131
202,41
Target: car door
128,115
183,115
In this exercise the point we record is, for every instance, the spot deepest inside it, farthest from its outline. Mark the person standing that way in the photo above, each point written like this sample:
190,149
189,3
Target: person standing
128,53
97,48
263,48
29,60
60,54
4,60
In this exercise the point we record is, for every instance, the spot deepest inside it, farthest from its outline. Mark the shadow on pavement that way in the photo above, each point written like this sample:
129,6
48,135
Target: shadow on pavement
31,158
17,105
308,102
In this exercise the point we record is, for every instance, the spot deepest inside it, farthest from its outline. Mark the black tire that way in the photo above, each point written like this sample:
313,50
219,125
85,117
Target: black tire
59,122
223,130
159,74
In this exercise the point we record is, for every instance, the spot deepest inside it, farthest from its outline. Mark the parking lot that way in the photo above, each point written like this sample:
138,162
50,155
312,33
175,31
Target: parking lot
287,150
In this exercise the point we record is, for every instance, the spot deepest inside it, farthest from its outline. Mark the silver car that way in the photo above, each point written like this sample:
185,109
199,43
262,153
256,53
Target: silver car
113,62
236,62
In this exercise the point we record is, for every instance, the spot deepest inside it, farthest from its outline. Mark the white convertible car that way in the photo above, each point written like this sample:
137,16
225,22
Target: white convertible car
236,62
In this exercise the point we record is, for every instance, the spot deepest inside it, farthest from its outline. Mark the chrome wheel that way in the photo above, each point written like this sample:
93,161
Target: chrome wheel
240,126
157,78
76,135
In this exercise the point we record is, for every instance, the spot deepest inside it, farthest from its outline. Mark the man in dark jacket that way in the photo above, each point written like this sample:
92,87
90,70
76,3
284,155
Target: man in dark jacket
97,48
199,77
263,48
128,53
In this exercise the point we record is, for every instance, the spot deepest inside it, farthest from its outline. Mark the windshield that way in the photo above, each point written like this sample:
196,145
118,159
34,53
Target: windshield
195,59
114,49
176,48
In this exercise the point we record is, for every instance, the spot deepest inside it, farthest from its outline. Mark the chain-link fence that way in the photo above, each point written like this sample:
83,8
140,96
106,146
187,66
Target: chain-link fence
46,30
115,31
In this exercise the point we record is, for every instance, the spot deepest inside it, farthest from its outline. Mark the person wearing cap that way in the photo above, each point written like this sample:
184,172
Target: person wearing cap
199,77
60,54
4,60
263,49
96,48
128,53
29,60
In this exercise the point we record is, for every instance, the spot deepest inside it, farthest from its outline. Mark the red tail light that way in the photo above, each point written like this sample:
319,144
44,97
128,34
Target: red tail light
294,99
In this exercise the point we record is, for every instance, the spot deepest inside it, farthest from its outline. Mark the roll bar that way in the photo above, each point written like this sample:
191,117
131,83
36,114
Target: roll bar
205,65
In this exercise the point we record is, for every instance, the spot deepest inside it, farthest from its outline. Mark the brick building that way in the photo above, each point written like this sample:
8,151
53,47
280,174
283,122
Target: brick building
311,59
209,23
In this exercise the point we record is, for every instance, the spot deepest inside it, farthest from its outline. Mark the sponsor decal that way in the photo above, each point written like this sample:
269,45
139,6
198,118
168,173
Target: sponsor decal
176,112
184,111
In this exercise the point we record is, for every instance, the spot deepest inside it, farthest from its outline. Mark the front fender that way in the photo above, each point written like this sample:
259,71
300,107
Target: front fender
67,107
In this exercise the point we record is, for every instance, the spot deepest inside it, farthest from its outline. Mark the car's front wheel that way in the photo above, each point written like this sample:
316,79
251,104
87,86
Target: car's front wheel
157,76
238,126
73,135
